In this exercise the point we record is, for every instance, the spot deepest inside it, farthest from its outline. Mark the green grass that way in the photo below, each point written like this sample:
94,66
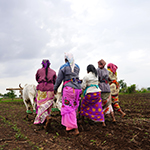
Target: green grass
10,100
136,92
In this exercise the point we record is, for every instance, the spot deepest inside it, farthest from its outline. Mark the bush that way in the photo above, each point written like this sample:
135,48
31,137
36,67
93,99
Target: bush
131,89
148,88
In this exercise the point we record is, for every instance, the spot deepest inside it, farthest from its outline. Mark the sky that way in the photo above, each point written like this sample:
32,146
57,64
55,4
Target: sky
114,30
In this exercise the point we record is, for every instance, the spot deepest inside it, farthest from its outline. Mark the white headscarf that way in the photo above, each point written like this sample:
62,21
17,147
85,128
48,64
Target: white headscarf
70,59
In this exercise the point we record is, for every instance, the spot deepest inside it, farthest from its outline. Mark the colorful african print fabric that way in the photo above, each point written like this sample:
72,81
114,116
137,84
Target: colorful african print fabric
70,104
91,107
115,102
44,101
114,87
106,103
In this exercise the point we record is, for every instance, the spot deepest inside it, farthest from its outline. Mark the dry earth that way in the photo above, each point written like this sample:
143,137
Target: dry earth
129,133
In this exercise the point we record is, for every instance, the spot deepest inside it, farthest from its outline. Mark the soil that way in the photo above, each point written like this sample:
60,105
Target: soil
17,131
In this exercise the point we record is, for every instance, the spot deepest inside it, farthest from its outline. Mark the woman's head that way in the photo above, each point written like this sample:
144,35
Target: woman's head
91,68
113,67
69,58
101,64
45,63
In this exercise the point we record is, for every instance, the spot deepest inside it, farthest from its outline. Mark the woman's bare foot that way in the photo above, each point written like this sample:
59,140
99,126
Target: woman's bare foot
104,125
124,114
48,123
76,131
73,132
114,121
113,117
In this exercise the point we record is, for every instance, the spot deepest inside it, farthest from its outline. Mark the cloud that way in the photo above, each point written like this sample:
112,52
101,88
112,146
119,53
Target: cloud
137,55
117,31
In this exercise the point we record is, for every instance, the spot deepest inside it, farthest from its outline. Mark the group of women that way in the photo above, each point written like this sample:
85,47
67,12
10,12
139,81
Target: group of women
98,87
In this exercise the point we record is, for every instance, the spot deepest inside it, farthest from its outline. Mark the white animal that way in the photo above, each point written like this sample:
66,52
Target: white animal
28,95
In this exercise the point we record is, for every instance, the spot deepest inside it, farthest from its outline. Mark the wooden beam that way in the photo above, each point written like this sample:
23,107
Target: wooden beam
14,89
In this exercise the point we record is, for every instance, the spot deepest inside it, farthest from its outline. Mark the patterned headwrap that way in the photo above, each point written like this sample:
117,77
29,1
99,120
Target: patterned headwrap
70,59
101,63
113,67
45,63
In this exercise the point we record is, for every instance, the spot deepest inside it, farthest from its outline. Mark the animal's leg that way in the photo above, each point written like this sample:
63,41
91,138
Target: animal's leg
34,107
27,107
33,104
25,104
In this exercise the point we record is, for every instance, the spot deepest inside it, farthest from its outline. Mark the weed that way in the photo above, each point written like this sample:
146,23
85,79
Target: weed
54,137
2,146
93,141
104,142
68,138
86,121
57,133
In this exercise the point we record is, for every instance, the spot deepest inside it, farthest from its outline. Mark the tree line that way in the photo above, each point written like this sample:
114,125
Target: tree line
131,89
11,94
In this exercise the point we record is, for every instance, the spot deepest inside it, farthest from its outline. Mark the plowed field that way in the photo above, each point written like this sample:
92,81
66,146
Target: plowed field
130,133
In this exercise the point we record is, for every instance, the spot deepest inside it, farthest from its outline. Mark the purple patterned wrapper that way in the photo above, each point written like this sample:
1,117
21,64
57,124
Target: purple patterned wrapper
91,107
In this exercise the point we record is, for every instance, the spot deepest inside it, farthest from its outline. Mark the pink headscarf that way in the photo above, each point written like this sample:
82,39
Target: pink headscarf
113,67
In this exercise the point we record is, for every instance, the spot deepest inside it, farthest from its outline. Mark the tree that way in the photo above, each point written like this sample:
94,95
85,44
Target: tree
131,89
123,86
148,88
10,94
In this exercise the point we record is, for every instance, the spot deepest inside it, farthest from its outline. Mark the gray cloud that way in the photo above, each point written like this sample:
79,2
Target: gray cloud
117,31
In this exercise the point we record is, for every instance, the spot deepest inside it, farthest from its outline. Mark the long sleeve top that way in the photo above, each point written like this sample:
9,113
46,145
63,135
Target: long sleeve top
44,85
88,80
65,74
112,76
114,85
103,76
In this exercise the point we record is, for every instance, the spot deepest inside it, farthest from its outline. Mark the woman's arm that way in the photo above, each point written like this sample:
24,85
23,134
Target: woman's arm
84,83
59,80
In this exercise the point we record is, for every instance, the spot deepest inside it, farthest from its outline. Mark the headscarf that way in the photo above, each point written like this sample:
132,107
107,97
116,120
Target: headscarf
101,63
70,59
113,67
45,63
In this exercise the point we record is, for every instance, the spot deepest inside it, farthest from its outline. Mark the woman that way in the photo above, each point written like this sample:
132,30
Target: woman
104,86
114,87
69,74
46,78
91,105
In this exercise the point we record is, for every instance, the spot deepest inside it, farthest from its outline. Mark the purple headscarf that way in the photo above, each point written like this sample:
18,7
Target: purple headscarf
45,63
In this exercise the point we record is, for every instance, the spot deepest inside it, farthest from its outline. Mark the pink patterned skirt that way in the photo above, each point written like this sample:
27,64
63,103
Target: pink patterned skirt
44,101
70,104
